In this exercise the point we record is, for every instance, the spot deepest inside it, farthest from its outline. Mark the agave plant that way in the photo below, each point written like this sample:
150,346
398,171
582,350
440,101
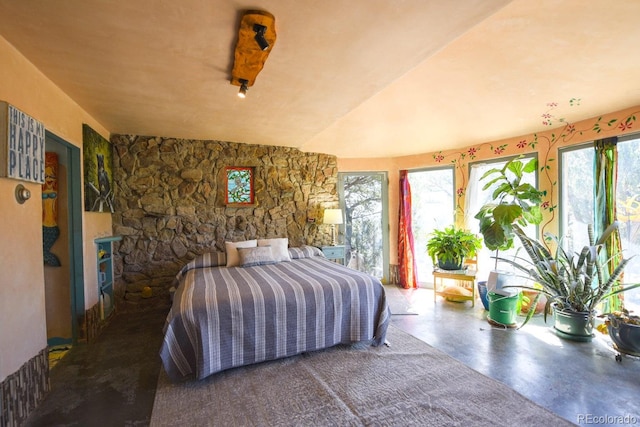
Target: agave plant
573,282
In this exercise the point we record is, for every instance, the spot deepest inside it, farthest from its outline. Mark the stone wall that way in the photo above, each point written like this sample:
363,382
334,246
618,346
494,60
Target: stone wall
170,204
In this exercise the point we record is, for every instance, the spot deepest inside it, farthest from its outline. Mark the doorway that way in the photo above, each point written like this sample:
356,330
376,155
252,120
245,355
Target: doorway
64,283
364,198
432,207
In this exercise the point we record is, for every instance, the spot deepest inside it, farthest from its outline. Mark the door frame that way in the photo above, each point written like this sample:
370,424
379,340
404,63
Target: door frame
74,207
384,184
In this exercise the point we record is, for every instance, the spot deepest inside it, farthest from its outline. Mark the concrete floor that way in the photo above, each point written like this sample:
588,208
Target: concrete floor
112,382
576,380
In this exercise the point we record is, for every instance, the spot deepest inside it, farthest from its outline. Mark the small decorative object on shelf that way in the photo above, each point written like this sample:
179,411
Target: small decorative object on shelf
334,253
105,274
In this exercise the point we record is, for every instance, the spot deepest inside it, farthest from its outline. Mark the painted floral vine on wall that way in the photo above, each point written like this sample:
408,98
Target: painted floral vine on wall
546,144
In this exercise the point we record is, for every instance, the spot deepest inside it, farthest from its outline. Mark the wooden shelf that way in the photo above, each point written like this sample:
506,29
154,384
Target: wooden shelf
464,278
104,255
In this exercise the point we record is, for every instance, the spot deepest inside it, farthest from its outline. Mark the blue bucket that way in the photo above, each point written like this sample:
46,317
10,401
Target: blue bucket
482,290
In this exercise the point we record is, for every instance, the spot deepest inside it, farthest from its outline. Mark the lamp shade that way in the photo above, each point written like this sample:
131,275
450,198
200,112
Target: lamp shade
332,216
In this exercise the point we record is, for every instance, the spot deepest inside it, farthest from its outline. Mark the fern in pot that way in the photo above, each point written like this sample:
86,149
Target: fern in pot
449,247
573,283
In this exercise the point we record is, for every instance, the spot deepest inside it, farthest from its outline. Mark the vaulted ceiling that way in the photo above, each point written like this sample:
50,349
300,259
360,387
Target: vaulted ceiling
358,78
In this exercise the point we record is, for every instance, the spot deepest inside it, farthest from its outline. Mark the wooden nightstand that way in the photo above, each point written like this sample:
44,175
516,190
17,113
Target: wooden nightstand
334,253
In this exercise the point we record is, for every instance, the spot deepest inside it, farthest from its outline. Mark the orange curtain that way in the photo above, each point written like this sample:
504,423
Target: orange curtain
406,261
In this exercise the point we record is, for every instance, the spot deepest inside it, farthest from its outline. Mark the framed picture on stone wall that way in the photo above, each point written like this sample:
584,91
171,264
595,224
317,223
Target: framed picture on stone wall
239,186
98,171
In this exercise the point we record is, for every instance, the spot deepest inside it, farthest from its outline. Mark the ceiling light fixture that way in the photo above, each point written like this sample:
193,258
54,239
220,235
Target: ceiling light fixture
256,38
262,42
243,88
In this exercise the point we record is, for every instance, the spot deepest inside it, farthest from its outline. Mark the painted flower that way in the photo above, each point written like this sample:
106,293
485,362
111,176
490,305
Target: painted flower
472,152
460,192
545,205
552,104
499,150
438,158
522,143
625,125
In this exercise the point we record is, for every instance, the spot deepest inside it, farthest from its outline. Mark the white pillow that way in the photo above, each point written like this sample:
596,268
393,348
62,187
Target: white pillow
260,255
279,247
233,258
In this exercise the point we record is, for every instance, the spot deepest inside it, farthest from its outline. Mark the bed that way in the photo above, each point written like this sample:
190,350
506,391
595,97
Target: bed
228,316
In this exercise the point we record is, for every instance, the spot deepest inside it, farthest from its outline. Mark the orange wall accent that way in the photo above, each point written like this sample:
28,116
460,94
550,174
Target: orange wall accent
545,144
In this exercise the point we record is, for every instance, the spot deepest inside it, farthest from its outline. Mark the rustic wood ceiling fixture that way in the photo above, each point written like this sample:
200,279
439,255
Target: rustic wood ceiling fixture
256,37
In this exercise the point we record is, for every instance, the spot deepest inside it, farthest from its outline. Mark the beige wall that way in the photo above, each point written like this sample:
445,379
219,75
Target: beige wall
22,312
545,144
22,293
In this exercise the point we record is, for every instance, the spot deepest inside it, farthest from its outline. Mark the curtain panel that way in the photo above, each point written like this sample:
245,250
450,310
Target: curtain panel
406,259
606,177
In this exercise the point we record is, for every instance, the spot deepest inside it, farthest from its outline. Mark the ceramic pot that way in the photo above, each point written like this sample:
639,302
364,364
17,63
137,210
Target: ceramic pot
625,336
450,265
482,291
531,295
573,325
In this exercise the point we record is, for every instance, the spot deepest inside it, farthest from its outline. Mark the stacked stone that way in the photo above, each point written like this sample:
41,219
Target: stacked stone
170,203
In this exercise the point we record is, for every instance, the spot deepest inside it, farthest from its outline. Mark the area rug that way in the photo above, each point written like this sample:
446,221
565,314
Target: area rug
408,383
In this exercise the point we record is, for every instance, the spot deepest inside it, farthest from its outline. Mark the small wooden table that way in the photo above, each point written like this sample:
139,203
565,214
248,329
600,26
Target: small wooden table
466,278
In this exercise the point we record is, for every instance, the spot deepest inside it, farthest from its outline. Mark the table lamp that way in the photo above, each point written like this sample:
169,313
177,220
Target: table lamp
333,217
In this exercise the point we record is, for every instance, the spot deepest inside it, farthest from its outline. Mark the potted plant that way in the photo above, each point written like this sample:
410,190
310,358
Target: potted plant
527,297
450,247
574,284
514,202
624,330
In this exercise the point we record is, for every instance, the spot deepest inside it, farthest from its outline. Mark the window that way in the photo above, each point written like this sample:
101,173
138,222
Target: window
432,207
576,195
628,213
476,197
577,204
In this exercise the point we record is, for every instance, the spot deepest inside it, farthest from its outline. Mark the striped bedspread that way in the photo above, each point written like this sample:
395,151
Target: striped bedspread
227,317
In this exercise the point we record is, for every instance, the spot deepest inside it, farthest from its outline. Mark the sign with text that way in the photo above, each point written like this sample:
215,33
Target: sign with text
21,145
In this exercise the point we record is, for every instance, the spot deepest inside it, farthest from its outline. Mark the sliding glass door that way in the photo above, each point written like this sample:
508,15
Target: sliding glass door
366,229
432,207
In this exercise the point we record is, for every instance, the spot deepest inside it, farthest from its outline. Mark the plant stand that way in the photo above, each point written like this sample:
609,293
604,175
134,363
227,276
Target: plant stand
467,278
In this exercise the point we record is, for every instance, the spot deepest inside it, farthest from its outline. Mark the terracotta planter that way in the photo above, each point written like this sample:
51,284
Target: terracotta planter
531,295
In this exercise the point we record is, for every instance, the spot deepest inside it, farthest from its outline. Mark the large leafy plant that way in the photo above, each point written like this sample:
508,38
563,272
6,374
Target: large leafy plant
513,202
452,245
573,281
